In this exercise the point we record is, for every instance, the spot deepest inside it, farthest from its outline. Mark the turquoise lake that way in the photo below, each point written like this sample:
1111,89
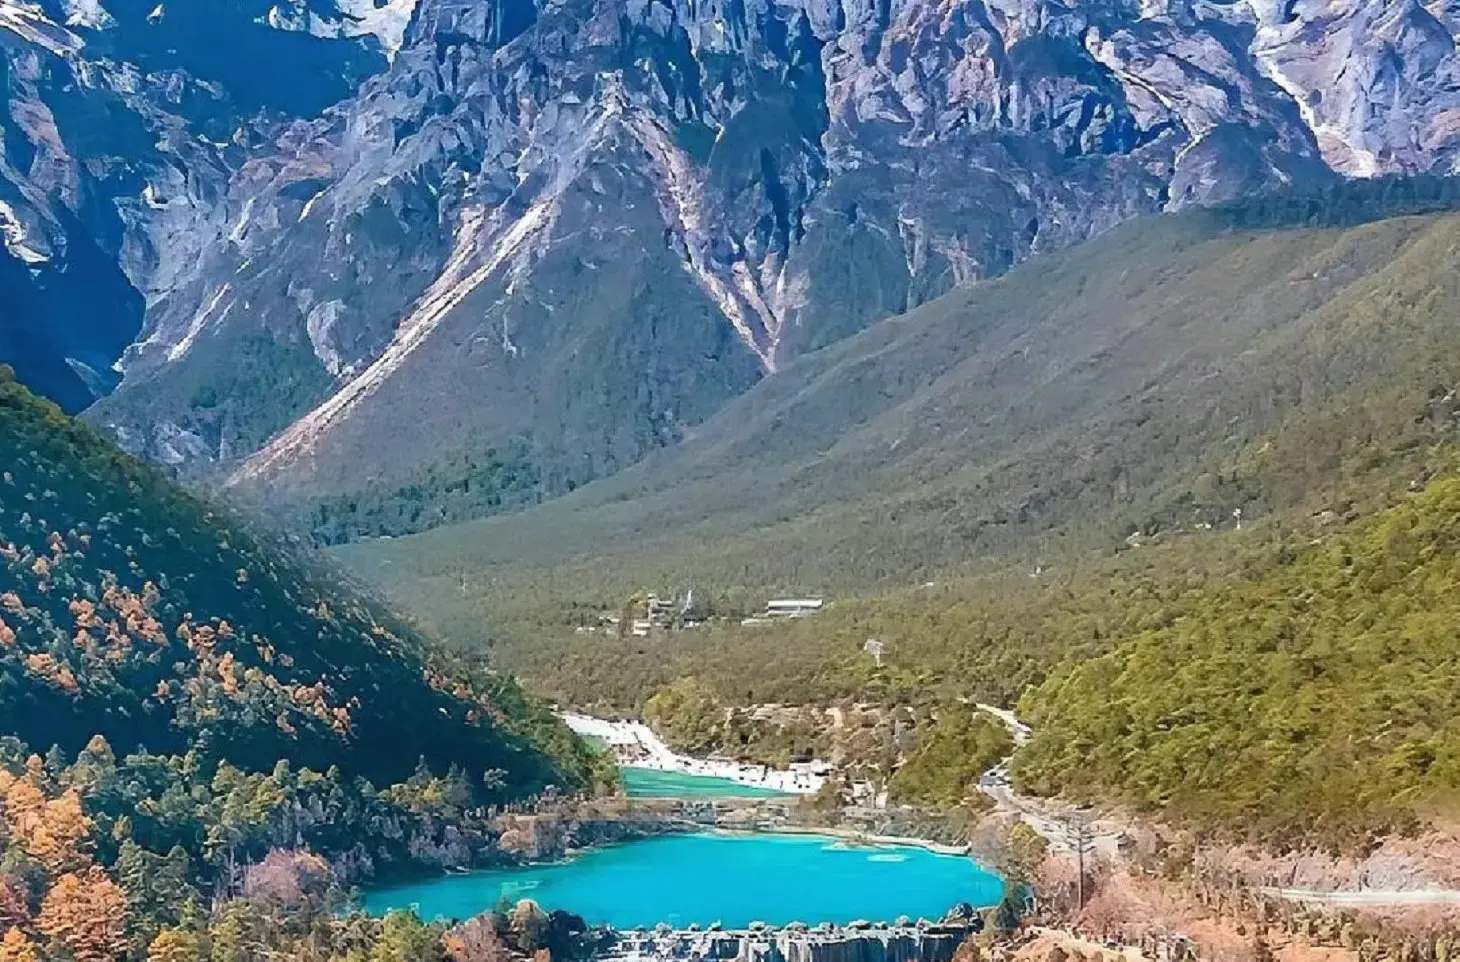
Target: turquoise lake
726,878
647,783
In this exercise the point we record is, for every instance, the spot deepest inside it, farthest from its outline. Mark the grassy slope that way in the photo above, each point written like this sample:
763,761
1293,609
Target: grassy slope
134,610
1133,384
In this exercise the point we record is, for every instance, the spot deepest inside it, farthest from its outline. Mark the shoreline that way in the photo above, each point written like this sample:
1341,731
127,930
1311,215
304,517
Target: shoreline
635,745
870,841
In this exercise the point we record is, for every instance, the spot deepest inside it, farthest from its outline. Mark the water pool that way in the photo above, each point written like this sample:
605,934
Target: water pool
717,877
648,783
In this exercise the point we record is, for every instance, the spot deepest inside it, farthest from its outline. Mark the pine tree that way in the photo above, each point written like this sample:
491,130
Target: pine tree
403,938
61,836
136,871
95,764
174,871
233,936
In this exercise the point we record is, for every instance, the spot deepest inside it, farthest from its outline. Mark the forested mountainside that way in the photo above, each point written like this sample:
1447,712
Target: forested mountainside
135,611
1317,700
388,269
184,859
204,742
1157,380
1122,453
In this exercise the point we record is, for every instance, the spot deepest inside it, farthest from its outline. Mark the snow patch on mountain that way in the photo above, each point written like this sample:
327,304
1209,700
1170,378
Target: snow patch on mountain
88,14
13,233
356,18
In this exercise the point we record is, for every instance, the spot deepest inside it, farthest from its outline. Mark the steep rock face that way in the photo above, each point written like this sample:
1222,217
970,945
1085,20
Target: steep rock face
1375,81
577,227
123,124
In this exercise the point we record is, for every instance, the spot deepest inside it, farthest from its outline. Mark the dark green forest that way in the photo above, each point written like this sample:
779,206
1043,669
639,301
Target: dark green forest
1317,701
136,611
208,737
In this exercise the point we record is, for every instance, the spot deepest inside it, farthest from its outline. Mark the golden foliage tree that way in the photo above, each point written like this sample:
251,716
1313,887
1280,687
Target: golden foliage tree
60,838
175,945
475,940
23,803
16,947
86,912
55,832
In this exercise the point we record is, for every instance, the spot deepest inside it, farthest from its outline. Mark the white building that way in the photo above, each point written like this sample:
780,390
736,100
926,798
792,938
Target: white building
792,607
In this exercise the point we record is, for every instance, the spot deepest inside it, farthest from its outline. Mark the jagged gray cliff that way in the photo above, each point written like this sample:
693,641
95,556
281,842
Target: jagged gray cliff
123,125
553,235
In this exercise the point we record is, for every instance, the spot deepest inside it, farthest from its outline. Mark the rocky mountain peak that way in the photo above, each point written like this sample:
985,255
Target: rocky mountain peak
577,227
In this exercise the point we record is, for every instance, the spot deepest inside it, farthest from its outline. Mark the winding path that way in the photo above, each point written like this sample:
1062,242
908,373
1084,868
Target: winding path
1372,897
1061,827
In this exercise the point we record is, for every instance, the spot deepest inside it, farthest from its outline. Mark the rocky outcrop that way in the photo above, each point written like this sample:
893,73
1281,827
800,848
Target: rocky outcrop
580,226
124,123
552,835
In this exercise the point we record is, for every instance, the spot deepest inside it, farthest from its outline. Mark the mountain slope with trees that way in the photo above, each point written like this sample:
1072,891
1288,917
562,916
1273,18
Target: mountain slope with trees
1317,701
133,610
205,740
1101,474
1161,379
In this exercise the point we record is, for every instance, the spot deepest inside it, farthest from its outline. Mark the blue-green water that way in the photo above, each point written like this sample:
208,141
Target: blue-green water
731,879
647,783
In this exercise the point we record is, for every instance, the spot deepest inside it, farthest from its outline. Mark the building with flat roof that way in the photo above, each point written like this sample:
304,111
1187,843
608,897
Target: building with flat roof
792,607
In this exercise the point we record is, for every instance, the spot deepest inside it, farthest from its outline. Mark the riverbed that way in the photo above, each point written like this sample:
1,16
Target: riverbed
733,879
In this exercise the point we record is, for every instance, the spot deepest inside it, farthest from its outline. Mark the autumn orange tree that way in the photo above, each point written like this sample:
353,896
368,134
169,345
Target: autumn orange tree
15,946
54,832
86,912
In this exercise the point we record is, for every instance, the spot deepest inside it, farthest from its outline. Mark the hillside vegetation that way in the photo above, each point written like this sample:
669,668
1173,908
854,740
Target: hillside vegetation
1321,699
130,609
182,859
1154,381
1127,477
204,742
